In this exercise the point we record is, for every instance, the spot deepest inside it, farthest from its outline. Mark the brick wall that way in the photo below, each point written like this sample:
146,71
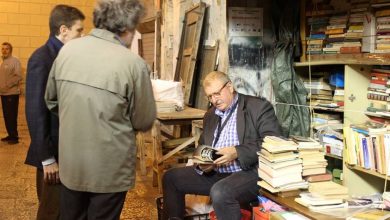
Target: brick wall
25,23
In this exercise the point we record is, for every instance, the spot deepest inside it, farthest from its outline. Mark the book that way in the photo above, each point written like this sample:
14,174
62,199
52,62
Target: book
204,154
318,178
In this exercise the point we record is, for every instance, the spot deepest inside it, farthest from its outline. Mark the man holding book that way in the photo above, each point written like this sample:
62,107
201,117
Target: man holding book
235,126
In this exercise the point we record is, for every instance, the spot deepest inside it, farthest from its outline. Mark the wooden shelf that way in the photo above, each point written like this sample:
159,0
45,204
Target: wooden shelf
370,172
339,109
378,115
342,59
334,156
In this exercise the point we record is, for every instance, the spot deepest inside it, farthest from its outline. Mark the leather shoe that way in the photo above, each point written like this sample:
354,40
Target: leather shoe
6,139
13,141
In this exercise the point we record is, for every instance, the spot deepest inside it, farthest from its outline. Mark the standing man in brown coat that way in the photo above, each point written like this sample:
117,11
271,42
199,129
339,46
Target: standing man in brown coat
10,76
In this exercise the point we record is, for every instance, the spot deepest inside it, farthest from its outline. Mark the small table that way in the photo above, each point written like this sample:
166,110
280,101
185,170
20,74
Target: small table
184,117
289,203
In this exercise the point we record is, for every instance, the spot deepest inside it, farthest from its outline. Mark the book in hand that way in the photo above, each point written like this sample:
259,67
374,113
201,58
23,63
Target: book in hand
204,154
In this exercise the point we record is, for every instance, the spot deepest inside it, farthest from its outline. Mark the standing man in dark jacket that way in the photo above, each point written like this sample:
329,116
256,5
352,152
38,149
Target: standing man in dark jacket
235,126
66,23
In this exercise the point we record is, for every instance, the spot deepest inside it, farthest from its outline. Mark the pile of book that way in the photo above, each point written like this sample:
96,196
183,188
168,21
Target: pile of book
312,156
336,33
324,195
319,89
378,92
280,169
382,14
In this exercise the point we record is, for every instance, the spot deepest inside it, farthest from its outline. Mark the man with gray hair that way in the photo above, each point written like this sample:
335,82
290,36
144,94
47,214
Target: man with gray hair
103,95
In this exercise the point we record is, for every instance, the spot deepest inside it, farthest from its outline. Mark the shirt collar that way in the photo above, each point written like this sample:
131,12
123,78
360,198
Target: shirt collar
222,113
105,35
57,44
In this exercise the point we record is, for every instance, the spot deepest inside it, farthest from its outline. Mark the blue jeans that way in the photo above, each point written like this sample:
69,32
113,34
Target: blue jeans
227,191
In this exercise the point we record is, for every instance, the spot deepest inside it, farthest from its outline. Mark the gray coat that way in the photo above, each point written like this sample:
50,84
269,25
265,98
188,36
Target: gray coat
103,94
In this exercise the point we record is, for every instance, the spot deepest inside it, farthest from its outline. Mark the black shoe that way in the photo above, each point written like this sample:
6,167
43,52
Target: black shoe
13,141
6,139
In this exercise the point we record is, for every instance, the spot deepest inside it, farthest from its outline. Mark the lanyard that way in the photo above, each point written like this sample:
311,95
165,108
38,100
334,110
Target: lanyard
222,126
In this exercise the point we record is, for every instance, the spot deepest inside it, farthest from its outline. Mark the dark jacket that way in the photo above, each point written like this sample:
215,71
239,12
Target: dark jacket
42,124
255,119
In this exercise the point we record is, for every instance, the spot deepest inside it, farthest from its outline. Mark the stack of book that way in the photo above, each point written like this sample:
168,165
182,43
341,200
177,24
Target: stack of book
279,167
319,89
382,15
336,33
354,35
165,106
323,120
324,195
310,151
378,92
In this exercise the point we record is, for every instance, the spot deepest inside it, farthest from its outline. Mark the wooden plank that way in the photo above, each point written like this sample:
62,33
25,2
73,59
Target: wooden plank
173,142
140,48
187,113
208,63
303,29
157,62
343,59
177,149
188,51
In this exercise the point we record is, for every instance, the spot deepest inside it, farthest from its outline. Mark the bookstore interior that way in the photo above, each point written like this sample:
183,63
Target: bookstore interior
334,161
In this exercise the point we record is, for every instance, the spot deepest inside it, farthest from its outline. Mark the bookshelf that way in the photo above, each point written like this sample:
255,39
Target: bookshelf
360,181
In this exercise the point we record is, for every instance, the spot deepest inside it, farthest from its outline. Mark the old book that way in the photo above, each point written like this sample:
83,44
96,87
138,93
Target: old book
319,178
204,154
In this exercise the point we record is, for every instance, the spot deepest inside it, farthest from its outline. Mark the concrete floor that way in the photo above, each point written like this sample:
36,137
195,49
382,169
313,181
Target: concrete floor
18,200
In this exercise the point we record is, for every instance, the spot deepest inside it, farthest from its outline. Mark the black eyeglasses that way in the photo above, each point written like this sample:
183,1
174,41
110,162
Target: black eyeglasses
217,94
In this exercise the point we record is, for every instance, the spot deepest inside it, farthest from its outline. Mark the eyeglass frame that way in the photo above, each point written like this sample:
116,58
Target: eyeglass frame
218,93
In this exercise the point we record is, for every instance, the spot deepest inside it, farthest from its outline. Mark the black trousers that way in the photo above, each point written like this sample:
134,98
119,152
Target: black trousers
10,105
77,205
227,191
49,199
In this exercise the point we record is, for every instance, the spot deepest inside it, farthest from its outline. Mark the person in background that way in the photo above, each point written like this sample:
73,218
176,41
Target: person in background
103,95
10,77
65,23
235,126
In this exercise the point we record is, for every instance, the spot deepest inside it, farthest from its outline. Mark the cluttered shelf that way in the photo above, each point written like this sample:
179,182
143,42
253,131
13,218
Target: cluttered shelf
345,59
371,172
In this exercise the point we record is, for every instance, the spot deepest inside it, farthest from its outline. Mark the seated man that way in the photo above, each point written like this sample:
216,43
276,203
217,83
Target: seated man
235,126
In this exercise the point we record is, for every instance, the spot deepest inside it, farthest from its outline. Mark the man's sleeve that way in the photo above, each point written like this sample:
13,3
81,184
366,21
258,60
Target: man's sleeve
143,112
37,114
51,91
266,123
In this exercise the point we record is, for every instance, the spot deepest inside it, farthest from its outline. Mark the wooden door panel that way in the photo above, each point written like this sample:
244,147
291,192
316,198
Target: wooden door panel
188,51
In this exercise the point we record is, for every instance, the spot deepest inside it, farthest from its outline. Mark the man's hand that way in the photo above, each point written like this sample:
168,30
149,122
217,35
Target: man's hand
228,154
51,174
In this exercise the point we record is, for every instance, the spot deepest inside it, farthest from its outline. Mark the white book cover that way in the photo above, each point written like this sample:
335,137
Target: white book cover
369,32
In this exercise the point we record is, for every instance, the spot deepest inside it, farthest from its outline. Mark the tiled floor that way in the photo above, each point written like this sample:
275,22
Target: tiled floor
18,199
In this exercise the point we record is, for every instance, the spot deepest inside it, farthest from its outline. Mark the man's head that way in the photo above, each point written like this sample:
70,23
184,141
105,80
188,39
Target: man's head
219,90
120,17
6,50
66,22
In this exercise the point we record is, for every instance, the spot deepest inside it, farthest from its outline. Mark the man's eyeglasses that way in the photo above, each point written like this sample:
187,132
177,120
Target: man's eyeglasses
218,93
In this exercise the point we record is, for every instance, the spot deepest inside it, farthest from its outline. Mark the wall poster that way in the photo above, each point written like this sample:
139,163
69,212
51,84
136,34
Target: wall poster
249,69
